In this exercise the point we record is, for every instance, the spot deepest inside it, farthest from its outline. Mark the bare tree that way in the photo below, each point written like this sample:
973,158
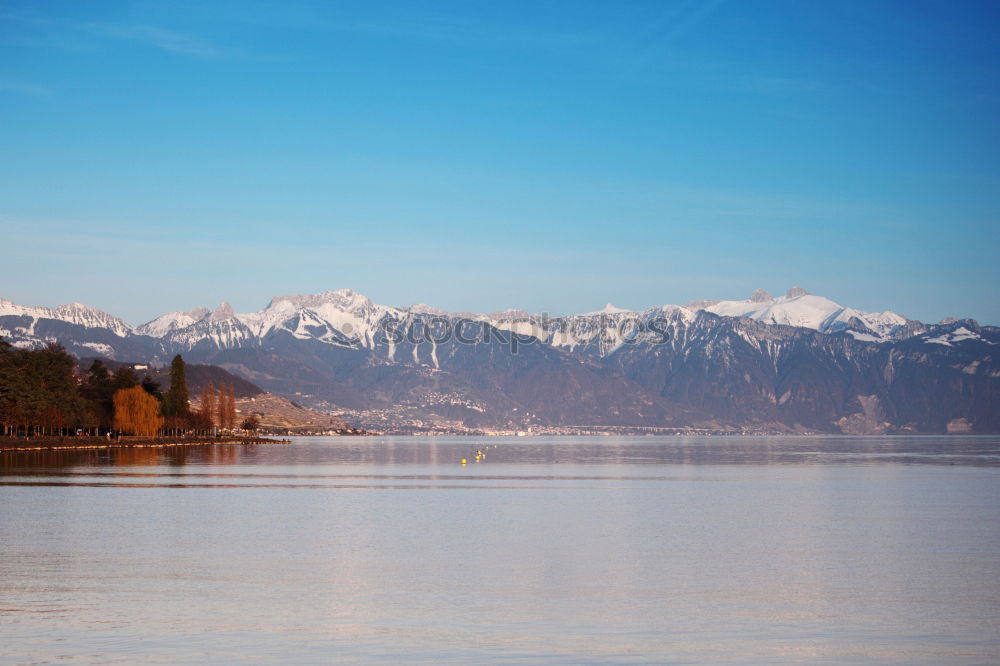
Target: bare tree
207,410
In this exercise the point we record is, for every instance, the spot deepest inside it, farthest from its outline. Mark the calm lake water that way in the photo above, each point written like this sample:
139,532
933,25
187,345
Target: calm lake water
551,550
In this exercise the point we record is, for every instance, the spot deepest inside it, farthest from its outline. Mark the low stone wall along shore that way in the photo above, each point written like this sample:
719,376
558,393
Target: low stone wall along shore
84,442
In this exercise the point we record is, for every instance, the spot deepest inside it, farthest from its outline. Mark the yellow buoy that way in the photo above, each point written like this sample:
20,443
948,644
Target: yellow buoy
463,461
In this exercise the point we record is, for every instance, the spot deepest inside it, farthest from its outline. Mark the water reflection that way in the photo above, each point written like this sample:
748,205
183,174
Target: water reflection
557,550
535,451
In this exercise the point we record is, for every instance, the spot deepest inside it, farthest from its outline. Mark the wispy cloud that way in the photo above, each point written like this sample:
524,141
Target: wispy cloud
462,29
166,40
673,24
61,32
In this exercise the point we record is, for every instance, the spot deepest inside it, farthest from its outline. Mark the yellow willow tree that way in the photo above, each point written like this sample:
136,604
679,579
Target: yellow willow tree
137,412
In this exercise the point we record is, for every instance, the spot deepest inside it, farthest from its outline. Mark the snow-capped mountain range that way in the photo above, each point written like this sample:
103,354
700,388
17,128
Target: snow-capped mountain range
798,361
74,313
345,317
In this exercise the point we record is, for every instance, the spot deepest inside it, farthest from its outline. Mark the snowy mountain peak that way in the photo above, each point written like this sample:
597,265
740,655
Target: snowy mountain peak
423,308
510,313
74,313
78,313
172,321
968,330
341,317
800,308
608,309
223,312
77,308
10,308
343,299
702,303
344,317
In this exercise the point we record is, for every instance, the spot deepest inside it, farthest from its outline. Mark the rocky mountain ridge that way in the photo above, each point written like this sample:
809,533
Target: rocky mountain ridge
798,362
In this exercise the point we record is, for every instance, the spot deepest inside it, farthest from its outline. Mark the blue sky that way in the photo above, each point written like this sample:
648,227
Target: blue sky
552,156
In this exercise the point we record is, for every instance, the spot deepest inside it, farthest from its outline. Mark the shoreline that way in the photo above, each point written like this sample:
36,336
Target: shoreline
83,443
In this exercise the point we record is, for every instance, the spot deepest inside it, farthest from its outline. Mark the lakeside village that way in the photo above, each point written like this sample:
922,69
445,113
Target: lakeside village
46,399
416,417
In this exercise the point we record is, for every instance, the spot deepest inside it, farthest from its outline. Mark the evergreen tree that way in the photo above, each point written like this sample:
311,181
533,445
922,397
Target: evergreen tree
98,390
62,404
98,372
38,390
152,387
124,378
175,401
11,386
